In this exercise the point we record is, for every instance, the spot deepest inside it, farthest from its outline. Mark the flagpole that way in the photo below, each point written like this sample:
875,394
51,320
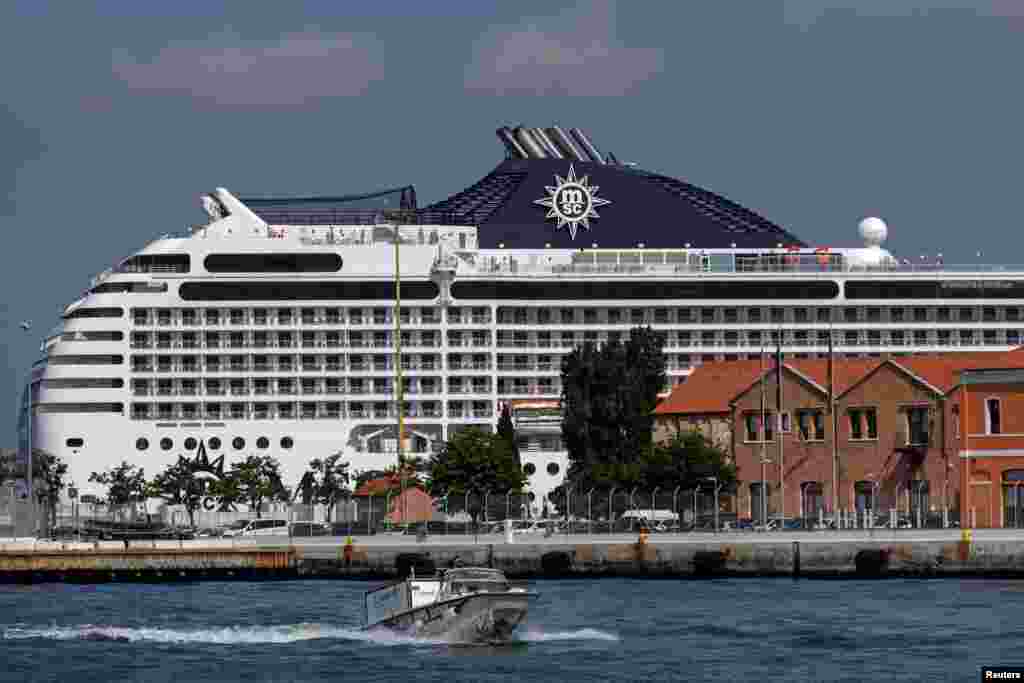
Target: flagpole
835,435
764,457
778,400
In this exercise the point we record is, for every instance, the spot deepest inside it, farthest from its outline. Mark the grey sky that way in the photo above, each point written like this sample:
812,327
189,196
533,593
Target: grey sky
814,113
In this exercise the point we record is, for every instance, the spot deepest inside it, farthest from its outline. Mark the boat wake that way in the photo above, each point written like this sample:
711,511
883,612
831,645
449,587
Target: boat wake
232,635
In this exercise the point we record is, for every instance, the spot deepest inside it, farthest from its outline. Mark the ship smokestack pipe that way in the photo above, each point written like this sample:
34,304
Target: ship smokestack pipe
565,143
532,147
587,145
549,147
511,144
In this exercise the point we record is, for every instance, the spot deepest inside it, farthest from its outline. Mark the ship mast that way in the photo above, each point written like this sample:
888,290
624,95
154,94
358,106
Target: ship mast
398,366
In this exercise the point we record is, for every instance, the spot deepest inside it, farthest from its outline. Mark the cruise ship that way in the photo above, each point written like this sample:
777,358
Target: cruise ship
272,329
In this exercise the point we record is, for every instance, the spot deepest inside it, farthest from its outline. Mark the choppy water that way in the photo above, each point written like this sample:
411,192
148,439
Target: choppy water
593,630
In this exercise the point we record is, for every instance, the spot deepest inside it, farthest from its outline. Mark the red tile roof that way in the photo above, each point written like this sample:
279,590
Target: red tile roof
712,386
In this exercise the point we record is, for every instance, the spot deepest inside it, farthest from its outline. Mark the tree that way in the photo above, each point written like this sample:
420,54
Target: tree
258,479
507,431
126,483
475,461
608,397
328,481
177,485
48,472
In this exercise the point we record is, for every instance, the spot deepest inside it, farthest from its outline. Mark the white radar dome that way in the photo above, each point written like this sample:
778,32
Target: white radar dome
873,231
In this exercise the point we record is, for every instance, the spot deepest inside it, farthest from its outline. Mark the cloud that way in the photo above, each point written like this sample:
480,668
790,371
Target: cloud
575,53
228,71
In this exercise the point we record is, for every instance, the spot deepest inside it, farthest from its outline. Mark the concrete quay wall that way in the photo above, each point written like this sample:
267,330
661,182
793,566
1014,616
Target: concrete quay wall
376,557
594,559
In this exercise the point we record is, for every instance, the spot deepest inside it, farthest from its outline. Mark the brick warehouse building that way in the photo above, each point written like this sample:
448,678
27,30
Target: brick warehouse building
992,453
898,439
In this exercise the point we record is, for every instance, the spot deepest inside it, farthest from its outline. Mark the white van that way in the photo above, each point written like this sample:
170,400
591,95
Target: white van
266,527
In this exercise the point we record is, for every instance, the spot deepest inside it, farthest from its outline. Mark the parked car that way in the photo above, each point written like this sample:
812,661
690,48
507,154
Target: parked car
306,529
234,528
266,527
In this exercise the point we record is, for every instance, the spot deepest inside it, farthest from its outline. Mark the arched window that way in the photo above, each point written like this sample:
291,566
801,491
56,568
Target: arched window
812,500
1013,499
757,502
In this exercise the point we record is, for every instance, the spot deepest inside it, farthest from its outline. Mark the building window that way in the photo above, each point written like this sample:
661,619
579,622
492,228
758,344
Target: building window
758,503
863,424
956,421
917,426
785,423
811,424
993,421
812,500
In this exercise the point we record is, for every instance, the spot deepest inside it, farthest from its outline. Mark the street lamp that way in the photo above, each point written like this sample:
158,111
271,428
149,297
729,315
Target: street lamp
715,480
632,506
675,506
654,497
30,476
590,515
611,496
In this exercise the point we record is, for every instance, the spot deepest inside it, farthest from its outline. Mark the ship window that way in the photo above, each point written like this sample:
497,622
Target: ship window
94,312
272,263
130,288
141,443
287,442
155,263
190,443
84,383
89,359
166,444
214,443
543,291
263,443
299,291
75,442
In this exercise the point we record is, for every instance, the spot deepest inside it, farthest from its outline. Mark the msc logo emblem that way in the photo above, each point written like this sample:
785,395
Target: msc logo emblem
572,202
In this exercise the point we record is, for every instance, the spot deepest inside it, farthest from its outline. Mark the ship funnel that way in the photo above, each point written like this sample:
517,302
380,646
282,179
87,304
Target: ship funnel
587,145
565,143
511,144
532,147
540,136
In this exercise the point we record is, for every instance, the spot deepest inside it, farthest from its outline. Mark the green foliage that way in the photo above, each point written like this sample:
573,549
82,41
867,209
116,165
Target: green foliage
609,393
688,461
328,481
177,486
258,479
507,431
126,483
475,461
48,472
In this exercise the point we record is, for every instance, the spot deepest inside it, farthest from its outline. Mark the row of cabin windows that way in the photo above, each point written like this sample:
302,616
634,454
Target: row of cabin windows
565,315
302,410
306,316
755,314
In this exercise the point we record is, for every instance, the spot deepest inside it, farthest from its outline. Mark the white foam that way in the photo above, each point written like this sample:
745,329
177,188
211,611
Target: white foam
536,636
229,635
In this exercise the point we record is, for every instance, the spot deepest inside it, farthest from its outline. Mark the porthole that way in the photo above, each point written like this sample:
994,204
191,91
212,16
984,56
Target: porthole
75,442
533,496
141,443
214,443
166,444
238,443
530,469
263,443
286,442
190,443
553,468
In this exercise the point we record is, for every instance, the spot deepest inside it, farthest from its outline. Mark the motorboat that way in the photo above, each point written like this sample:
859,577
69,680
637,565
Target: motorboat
462,605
